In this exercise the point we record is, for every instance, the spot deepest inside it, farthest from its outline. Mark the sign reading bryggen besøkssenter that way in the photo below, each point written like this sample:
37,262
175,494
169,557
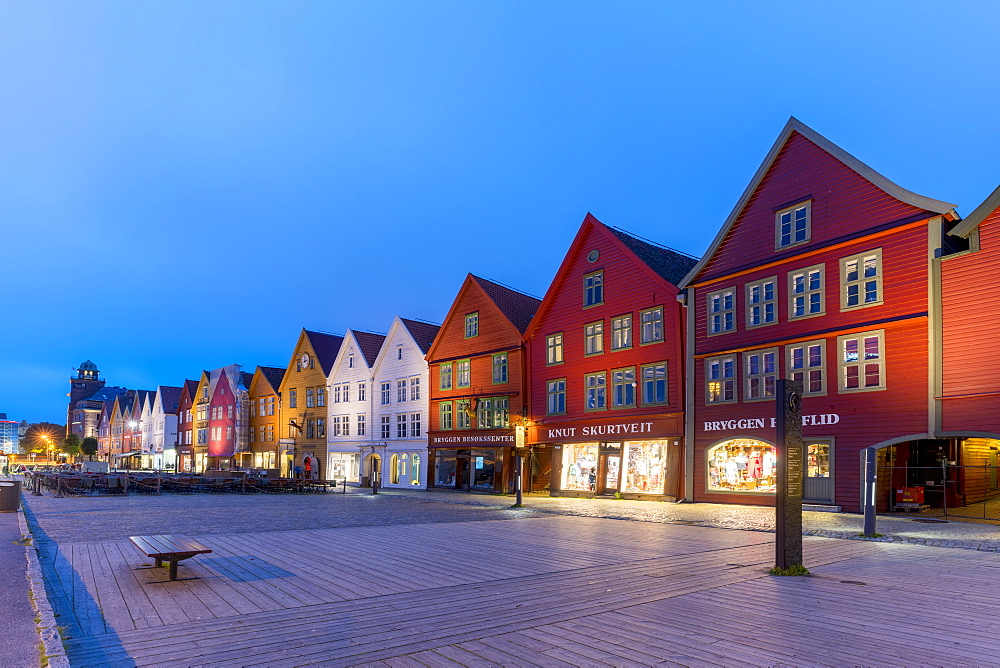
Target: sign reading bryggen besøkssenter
765,422
473,438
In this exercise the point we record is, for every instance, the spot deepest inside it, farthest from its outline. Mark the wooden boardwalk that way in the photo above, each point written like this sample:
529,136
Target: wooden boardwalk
551,591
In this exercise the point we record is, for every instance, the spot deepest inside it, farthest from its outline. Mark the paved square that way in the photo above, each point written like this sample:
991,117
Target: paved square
466,585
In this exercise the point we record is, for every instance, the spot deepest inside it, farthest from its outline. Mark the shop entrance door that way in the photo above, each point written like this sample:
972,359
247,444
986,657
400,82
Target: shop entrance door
817,484
462,475
609,468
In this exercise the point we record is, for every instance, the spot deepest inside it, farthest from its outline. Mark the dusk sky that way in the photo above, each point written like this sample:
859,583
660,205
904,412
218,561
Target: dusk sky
185,185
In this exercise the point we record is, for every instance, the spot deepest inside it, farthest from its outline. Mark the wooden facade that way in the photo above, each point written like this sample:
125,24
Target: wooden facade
265,401
839,297
478,388
606,368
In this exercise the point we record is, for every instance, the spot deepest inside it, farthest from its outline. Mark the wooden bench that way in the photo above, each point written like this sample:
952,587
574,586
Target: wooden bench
170,549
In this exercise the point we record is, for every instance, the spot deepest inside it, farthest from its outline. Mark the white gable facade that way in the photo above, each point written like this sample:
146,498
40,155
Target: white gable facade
349,414
164,437
399,395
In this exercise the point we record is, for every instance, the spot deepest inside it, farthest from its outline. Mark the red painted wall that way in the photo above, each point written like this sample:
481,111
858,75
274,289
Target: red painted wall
970,304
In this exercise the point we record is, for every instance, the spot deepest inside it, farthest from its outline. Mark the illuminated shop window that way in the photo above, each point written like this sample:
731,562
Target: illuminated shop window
579,472
645,467
742,465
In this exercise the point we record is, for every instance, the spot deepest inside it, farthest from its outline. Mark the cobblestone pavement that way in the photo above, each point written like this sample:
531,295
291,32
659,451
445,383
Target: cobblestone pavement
102,518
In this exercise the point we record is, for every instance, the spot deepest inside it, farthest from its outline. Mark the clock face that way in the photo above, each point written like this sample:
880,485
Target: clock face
304,360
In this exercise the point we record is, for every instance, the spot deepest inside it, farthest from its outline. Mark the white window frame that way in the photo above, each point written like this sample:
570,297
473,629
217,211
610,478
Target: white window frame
621,332
844,364
801,364
555,387
595,386
716,321
807,292
593,338
651,328
386,393
791,213
727,381
554,349
414,388
861,283
757,302
759,367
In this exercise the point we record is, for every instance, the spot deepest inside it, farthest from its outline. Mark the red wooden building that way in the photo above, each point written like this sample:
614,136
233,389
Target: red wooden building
185,427
824,272
477,389
969,396
606,368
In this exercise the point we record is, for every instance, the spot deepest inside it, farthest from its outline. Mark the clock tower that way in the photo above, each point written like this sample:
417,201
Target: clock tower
86,383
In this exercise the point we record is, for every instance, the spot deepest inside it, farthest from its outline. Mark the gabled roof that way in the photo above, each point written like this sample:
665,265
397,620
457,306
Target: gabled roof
981,213
246,379
517,307
192,386
106,393
326,347
422,332
273,375
795,126
170,397
671,265
370,344
658,262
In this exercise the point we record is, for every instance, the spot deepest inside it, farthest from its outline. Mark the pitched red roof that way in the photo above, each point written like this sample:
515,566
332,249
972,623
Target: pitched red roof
516,306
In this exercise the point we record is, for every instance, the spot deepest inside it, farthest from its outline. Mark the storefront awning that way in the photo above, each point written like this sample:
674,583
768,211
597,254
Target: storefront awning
127,454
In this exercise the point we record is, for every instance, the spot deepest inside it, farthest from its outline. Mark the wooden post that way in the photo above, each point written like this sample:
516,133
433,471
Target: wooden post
788,500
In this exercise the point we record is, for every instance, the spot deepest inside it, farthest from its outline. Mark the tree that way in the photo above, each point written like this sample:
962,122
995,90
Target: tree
42,437
88,446
71,445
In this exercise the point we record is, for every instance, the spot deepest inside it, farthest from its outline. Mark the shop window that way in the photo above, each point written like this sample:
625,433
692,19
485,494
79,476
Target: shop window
722,311
483,468
394,469
861,280
445,415
554,348
720,375
593,289
761,374
762,302
806,364
472,325
463,416
742,465
556,397
595,387
444,375
862,363
651,321
579,467
623,387
817,459
415,470
500,368
464,372
792,225
621,332
645,467
445,467
805,293
593,338
654,384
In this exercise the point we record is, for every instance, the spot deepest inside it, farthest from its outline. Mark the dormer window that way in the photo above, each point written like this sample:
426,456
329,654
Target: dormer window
792,225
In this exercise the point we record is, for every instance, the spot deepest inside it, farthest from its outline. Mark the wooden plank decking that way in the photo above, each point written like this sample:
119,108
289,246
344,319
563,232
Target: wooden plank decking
552,591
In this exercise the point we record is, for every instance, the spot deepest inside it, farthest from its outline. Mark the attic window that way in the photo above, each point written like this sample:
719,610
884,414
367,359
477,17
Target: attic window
792,226
472,325
350,362
399,352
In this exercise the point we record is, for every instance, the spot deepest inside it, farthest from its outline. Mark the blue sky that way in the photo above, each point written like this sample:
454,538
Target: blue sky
185,185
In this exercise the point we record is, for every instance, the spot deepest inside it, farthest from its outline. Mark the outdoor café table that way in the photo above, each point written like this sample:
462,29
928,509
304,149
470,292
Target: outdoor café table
170,549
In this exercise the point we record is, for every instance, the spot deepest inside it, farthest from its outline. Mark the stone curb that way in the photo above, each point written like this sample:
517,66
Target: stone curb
48,630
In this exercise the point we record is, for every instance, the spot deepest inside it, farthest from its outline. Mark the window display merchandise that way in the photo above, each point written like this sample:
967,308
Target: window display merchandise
742,465
644,466
818,460
445,467
580,467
